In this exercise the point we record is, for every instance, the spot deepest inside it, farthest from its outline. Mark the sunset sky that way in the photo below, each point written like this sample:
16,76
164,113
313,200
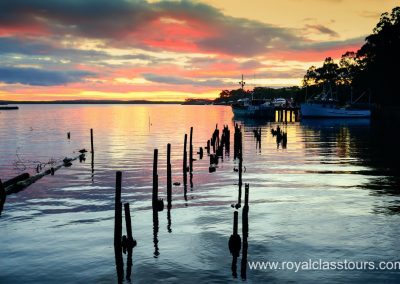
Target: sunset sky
170,50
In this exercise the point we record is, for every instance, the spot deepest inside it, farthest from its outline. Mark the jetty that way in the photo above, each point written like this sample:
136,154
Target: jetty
287,113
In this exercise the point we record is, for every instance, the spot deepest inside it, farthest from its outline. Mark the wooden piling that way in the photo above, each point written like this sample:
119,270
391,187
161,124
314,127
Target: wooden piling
169,176
240,170
92,151
118,228
91,141
21,184
191,150
155,180
185,155
3,196
16,179
235,222
128,223
185,162
69,135
208,147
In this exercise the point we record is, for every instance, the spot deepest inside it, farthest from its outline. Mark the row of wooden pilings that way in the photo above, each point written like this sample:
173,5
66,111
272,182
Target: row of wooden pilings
235,243
22,181
124,243
282,114
217,145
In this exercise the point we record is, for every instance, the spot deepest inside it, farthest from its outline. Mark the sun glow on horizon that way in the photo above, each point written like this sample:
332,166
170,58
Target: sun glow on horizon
170,50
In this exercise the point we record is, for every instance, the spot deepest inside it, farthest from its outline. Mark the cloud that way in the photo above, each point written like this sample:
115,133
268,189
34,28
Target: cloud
323,29
168,25
182,81
39,77
329,45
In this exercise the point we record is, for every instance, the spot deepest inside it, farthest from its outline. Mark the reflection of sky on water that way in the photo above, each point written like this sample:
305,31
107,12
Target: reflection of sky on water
332,194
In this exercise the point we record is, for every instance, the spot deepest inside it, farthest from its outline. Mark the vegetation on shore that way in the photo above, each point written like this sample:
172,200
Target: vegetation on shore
370,71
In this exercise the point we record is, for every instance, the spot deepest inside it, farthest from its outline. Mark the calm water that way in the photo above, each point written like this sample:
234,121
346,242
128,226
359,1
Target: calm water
331,195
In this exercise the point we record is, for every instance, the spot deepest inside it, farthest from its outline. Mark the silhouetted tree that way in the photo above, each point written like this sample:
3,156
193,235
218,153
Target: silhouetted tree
371,69
379,59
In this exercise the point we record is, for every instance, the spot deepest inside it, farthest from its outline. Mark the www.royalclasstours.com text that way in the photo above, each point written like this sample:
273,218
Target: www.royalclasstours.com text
320,264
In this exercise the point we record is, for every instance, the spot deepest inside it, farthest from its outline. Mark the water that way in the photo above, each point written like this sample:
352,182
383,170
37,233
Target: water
331,195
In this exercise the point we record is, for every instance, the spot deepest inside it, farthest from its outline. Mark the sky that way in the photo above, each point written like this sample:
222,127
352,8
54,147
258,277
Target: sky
171,50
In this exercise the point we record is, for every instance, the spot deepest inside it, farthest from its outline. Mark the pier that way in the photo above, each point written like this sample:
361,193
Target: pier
287,114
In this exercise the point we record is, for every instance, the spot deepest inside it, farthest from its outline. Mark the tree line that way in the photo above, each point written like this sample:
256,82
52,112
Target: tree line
371,71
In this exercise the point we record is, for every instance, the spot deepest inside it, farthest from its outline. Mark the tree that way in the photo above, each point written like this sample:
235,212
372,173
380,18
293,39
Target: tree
348,68
328,73
371,68
379,57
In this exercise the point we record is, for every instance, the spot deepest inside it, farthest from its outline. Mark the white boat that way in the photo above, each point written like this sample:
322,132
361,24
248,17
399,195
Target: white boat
324,109
253,108
279,102
325,105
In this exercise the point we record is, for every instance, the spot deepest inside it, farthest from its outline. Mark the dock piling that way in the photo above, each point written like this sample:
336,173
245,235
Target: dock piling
91,141
118,228
191,150
169,176
3,196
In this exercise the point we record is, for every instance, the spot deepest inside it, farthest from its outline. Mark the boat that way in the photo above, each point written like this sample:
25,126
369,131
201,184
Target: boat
325,105
253,108
279,102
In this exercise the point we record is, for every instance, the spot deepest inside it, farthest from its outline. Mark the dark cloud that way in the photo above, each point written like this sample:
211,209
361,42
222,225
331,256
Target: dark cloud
290,74
115,21
182,81
327,45
323,29
251,64
39,77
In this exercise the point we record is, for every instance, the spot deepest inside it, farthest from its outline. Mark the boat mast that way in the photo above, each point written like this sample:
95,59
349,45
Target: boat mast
242,83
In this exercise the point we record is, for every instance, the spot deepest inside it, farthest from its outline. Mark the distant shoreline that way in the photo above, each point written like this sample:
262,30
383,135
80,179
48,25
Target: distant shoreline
90,102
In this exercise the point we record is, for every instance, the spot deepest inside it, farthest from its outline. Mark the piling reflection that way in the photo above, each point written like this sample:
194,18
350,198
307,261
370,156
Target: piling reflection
129,243
245,232
155,233
234,244
92,154
169,220
345,141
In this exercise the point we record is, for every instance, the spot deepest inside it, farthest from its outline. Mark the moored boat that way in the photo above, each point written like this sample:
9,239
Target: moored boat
325,105
253,108
331,109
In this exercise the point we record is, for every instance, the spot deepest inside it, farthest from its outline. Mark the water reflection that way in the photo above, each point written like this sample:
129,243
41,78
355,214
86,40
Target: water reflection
338,178
245,232
235,244
155,233
355,143
169,220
